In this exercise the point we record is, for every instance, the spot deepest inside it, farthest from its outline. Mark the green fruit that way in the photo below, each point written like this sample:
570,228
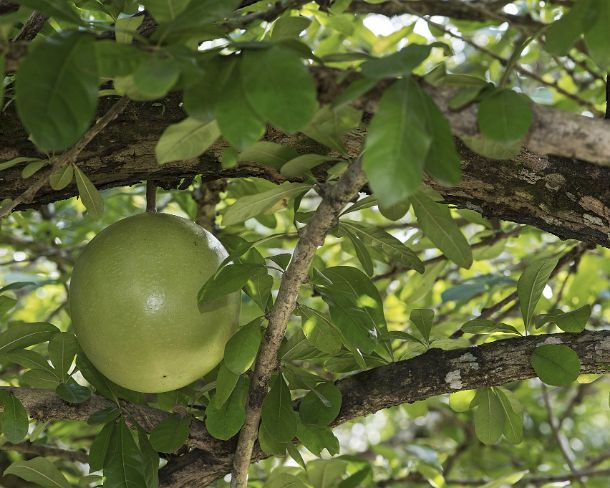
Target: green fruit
133,301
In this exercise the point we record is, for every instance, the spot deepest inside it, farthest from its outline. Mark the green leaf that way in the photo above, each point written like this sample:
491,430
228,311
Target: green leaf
200,95
574,321
277,414
171,433
253,205
400,63
195,20
555,364
229,279
150,458
223,423
317,438
14,418
289,27
326,473
40,471
40,378
597,35
422,318
267,153
279,87
239,123
488,417
561,35
302,164
61,177
23,335
504,116
99,447
27,359
319,330
513,422
126,27
226,381
397,144
165,10
329,125
492,149
72,392
386,243
484,326
115,59
62,349
56,89
531,284
460,401
89,195
438,226
103,416
321,407
504,481
33,168
361,252
153,78
355,306
52,8
6,304
123,465
186,140
242,348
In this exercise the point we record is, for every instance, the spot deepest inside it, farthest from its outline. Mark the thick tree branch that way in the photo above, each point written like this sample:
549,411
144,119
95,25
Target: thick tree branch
408,381
312,237
493,364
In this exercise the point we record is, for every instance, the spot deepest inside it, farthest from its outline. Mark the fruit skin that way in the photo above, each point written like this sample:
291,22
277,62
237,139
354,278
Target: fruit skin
133,302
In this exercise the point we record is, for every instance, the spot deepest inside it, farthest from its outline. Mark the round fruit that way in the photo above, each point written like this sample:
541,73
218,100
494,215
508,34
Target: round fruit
133,301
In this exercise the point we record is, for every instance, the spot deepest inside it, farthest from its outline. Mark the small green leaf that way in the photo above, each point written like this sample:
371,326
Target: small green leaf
504,116
561,35
58,81
400,63
513,422
40,378
574,321
321,407
531,284
27,359
226,381
422,318
556,364
484,326
171,433
317,438
165,10
302,164
33,168
40,471
72,392
253,205
277,414
223,423
267,153
492,149
103,416
99,447
150,458
62,349
279,87
91,198
61,177
14,418
6,304
597,35
22,335
436,223
52,8
488,417
123,464
230,279
319,330
289,27
186,140
397,144
115,59
242,348
329,125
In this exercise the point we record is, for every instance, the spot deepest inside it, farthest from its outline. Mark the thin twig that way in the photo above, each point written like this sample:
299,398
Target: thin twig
69,157
151,196
43,450
311,238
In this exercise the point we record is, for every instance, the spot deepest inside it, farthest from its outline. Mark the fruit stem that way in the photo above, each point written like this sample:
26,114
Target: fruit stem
151,197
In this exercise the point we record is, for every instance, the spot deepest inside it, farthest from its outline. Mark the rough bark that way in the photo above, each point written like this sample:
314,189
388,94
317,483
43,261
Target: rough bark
564,196
434,373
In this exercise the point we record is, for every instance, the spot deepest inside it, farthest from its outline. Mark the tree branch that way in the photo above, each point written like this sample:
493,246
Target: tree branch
411,380
312,237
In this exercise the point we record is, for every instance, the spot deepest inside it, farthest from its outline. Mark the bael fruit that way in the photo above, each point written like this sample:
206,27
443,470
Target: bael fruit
133,301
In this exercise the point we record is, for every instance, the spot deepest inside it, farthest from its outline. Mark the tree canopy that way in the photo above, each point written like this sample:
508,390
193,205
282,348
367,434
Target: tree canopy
414,196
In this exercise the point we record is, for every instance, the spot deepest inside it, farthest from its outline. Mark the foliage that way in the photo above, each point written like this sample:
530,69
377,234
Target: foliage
401,272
